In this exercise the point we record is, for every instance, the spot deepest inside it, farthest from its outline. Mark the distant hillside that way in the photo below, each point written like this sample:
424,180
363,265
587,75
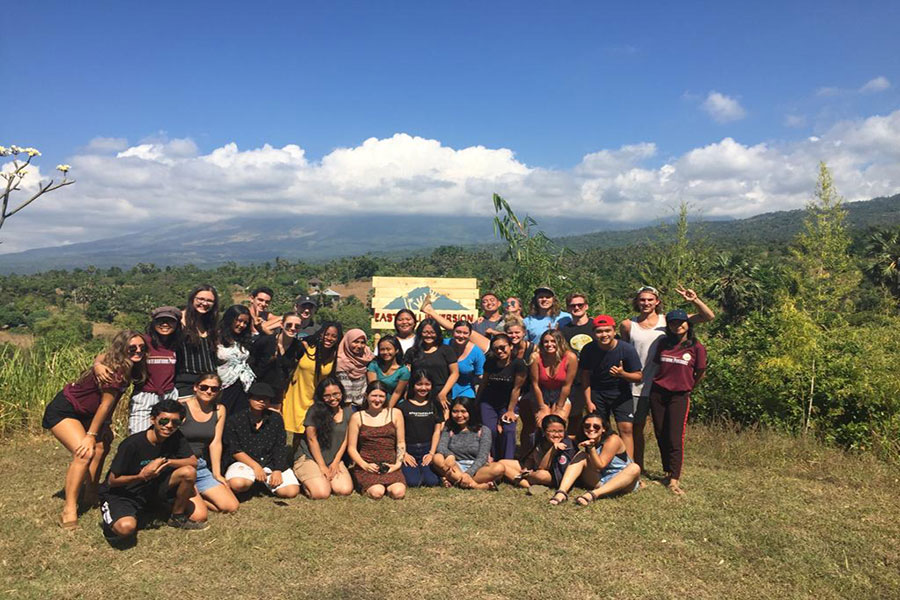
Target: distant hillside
256,240
315,238
767,228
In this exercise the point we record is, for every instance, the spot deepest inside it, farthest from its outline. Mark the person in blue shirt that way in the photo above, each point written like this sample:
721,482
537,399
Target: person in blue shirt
469,359
545,314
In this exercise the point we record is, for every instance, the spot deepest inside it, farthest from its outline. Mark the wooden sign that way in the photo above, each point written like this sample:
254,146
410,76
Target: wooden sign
453,299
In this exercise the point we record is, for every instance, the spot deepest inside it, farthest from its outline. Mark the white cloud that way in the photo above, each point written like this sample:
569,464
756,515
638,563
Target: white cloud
104,145
879,84
794,121
873,86
153,183
722,108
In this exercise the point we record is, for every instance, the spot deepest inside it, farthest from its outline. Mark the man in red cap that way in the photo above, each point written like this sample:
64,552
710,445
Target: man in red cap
608,368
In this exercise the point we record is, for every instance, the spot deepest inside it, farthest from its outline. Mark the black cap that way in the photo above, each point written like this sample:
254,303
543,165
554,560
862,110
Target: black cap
676,315
262,390
304,299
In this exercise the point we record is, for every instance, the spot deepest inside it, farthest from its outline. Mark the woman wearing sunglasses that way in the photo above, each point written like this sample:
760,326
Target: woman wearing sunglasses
273,357
602,465
203,427
79,418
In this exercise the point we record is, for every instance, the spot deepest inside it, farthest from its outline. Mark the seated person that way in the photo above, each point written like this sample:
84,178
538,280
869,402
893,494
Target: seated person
256,447
602,465
463,449
151,467
423,420
318,463
547,463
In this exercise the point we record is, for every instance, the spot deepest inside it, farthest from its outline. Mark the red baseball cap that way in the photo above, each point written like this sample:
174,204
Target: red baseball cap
604,321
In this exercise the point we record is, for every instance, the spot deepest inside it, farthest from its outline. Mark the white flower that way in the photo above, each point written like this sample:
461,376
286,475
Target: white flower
63,168
15,149
23,172
4,151
32,151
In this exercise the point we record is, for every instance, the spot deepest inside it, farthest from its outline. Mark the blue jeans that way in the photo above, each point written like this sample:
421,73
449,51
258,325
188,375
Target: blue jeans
504,444
419,476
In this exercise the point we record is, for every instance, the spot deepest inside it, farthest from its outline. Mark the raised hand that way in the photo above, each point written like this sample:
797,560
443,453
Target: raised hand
686,293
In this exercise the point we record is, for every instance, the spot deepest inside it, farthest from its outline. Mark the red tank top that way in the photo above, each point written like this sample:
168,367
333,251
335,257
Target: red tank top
557,379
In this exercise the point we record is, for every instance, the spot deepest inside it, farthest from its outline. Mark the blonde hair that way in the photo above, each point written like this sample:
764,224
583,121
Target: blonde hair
562,347
118,359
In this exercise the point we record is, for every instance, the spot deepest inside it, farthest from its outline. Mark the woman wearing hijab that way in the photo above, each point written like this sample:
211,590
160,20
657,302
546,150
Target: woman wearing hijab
352,359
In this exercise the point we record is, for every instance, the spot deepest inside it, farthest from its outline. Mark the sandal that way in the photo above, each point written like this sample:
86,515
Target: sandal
585,499
68,525
554,501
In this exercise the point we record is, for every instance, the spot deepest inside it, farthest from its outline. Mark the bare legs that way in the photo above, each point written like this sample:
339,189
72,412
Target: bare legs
484,478
395,491
580,468
70,433
319,488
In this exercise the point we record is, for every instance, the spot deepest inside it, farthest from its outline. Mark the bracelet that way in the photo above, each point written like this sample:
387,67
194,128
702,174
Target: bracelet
92,434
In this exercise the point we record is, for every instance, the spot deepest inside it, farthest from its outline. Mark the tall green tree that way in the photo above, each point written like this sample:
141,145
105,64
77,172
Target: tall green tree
826,277
678,257
538,261
826,273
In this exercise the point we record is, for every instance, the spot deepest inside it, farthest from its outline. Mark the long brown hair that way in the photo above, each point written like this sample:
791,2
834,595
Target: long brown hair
193,319
118,359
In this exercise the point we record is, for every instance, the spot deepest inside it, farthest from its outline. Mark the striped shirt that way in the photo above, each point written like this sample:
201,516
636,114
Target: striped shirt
193,359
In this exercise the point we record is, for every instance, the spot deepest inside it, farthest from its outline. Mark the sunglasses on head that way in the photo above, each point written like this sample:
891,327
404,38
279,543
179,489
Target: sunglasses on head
163,421
135,348
208,388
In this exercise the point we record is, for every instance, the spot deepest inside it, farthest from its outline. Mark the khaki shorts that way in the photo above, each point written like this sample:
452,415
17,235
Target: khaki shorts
306,469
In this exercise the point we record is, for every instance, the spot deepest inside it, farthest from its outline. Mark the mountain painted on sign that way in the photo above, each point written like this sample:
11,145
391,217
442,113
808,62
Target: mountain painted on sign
413,300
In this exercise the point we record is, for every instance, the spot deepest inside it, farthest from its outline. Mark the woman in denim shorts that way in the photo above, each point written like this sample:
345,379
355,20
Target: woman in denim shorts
203,426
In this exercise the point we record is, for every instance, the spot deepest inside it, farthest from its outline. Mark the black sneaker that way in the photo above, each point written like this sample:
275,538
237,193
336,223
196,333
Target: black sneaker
183,522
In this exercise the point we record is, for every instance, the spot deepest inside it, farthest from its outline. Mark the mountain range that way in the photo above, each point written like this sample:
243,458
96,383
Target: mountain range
315,237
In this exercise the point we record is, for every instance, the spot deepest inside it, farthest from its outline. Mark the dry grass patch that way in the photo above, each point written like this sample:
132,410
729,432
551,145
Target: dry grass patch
765,516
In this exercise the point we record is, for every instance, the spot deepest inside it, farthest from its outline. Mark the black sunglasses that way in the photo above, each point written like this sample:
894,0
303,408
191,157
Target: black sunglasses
135,348
591,427
166,420
208,388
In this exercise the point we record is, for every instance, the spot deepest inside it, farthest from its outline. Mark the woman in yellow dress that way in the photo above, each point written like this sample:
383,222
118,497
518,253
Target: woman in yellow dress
318,360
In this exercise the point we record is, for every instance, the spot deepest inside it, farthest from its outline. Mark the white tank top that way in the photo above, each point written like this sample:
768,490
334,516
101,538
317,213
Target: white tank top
645,342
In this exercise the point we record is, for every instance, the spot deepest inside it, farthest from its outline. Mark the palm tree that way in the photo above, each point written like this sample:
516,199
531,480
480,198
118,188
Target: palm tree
737,285
882,253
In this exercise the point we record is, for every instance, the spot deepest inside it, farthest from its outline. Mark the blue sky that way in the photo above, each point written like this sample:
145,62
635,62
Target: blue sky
552,82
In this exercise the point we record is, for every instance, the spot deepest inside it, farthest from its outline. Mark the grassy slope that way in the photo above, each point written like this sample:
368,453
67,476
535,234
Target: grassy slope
766,516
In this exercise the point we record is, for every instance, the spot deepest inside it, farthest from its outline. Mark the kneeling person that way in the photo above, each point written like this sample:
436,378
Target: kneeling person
152,467
256,447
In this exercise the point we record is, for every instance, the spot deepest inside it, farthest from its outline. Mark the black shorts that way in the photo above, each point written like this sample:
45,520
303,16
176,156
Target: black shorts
60,408
621,408
115,505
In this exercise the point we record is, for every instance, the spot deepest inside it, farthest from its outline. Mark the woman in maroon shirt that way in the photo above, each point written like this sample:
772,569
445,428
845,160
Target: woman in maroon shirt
682,364
78,417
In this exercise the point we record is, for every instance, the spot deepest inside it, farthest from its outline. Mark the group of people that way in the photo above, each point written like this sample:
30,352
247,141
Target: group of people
213,400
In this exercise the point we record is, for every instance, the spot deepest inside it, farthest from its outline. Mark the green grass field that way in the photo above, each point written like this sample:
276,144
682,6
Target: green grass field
765,516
